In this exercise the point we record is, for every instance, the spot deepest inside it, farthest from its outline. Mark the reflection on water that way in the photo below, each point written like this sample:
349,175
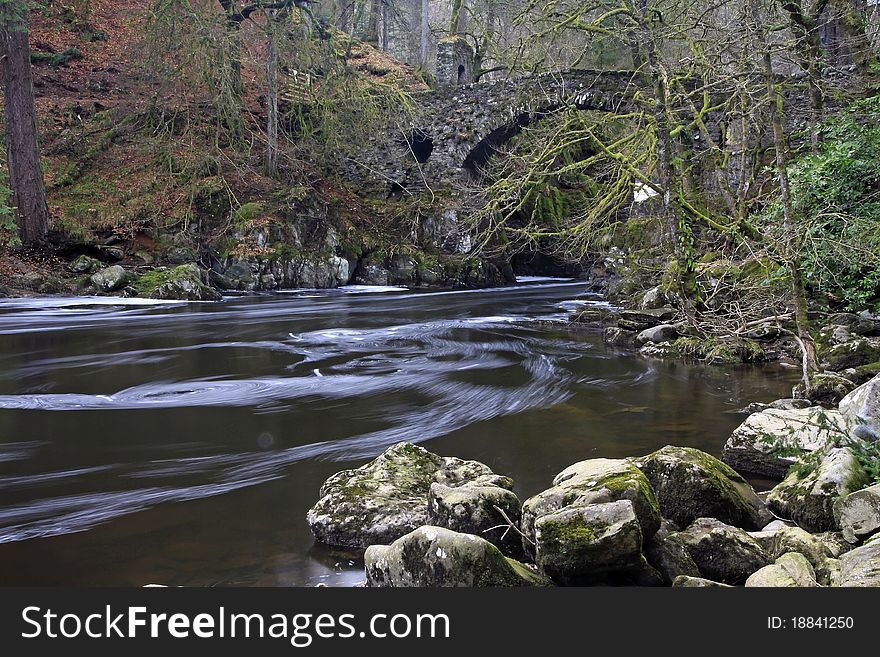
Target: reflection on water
183,443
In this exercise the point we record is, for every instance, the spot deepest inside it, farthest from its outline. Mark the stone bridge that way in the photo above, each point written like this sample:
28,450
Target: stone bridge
457,128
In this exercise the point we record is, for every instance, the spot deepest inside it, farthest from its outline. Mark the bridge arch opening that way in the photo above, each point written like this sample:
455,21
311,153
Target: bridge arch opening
420,144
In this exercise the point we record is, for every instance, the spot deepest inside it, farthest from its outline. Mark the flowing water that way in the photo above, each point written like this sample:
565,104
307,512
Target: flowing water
182,444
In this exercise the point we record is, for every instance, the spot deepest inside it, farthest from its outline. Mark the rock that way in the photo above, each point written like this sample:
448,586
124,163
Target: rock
471,509
852,354
113,253
589,482
630,325
790,570
790,404
826,388
183,282
240,276
654,299
402,270
649,318
768,443
657,334
691,484
858,514
670,559
722,552
577,543
388,497
618,337
683,581
861,410
85,265
371,274
660,350
110,279
834,542
145,257
776,525
438,557
861,567
808,492
816,551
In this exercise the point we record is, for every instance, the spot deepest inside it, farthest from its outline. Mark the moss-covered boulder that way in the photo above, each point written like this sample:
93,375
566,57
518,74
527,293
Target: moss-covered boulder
110,279
722,552
769,442
852,354
861,410
809,491
669,558
577,544
691,484
85,265
438,557
858,514
485,510
791,570
861,567
388,497
826,388
595,481
184,283
816,551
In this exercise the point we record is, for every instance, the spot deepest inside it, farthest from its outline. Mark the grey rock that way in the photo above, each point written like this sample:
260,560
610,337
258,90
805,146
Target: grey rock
722,552
590,482
852,354
826,388
372,274
691,484
858,514
657,334
577,543
438,557
618,337
85,265
473,508
670,558
768,443
791,404
388,497
808,492
184,282
649,318
110,279
789,570
861,410
861,567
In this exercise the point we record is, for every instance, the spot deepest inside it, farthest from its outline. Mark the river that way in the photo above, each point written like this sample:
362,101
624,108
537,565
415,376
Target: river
182,444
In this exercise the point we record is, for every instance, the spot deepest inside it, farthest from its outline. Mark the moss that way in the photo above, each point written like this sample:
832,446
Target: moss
247,214
150,282
568,534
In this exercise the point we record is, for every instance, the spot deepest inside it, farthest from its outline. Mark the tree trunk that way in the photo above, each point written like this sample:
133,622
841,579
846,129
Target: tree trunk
385,23
272,95
426,33
792,240
22,147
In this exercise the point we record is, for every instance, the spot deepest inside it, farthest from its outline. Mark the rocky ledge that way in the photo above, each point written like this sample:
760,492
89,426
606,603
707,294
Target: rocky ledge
675,517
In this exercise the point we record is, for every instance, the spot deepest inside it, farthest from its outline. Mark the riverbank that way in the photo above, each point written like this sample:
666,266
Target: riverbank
675,517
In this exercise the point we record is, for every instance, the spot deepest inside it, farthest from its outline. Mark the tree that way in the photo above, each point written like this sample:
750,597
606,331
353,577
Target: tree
22,146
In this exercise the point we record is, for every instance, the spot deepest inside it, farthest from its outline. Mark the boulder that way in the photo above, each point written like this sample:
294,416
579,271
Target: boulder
722,552
110,279
826,388
858,514
183,282
589,482
438,557
808,492
861,410
371,274
683,581
691,484
473,508
790,570
654,298
578,543
790,404
618,337
795,539
768,443
670,558
388,497
852,354
85,265
649,317
861,567
657,334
